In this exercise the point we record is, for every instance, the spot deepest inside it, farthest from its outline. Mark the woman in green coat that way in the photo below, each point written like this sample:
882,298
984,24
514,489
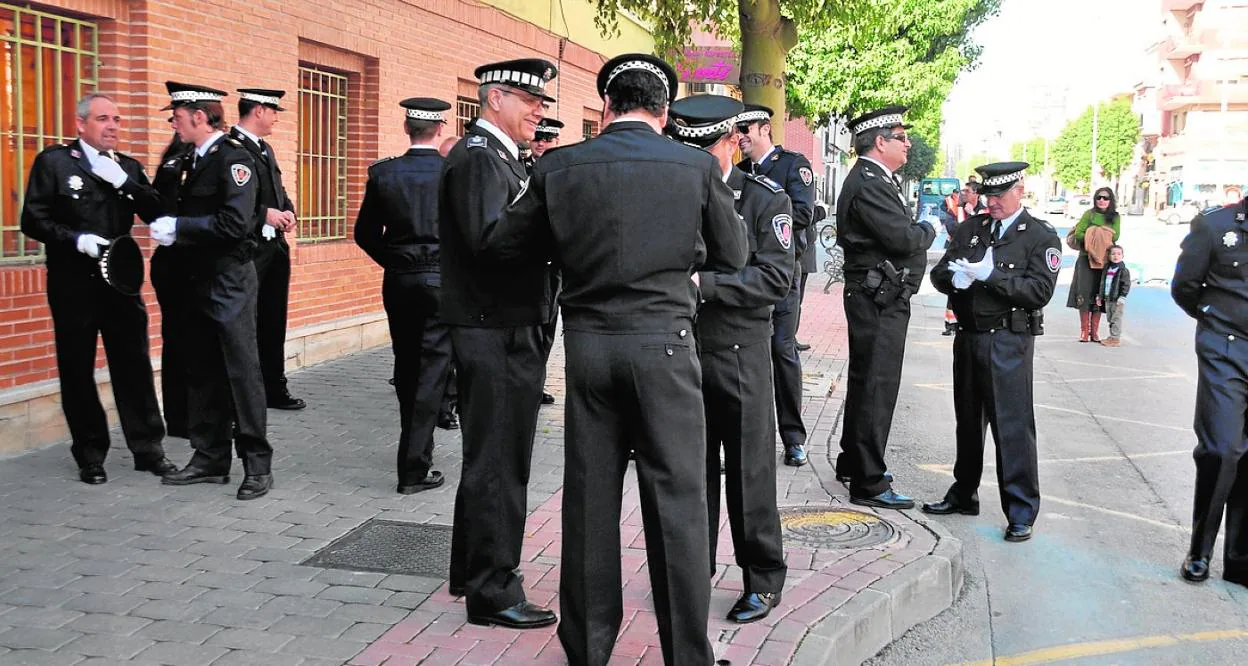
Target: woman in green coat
1082,297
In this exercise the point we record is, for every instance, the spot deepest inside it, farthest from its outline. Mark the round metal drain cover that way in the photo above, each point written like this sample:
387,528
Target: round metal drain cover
821,527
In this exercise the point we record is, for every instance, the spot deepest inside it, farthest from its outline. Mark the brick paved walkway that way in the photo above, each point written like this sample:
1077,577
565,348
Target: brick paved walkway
138,573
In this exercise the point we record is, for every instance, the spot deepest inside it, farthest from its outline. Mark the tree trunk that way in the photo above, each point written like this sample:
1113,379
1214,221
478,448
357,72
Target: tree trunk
766,38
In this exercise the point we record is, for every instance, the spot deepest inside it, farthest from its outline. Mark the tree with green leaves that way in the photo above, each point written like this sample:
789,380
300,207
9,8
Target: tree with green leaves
1031,152
920,160
1118,132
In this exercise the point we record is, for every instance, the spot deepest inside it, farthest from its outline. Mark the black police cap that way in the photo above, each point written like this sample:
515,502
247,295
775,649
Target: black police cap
889,116
425,108
999,177
548,128
189,93
701,120
638,62
528,74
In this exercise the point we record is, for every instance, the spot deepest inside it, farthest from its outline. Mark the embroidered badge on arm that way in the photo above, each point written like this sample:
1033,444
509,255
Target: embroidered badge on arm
1053,257
241,174
783,226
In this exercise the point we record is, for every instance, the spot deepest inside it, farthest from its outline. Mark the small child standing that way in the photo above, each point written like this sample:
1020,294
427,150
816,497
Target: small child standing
1111,298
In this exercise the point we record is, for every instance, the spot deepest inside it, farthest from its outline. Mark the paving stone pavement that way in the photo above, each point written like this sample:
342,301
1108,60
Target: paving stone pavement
139,573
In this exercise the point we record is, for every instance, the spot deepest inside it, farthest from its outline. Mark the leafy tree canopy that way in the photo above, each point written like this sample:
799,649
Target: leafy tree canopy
921,159
1031,152
1118,131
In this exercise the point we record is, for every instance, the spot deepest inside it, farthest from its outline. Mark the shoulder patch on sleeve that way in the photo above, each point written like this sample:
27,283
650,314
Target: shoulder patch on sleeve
241,174
1053,259
806,175
782,225
477,141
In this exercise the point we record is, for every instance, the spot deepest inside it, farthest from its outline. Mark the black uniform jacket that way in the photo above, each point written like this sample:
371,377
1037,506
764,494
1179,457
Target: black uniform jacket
1027,258
1211,278
479,179
270,192
628,216
872,224
64,199
398,222
792,171
217,209
736,307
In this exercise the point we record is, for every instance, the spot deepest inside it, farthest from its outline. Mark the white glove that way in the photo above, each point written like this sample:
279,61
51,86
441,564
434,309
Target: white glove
109,171
979,270
90,244
268,232
960,279
164,230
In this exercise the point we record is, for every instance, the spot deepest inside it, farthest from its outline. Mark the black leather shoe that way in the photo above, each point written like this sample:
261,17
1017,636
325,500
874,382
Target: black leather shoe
284,400
432,480
1017,532
161,466
254,486
753,606
189,475
795,456
889,499
1195,569
523,615
946,506
448,421
802,346
547,399
456,590
92,473
843,478
390,381
947,331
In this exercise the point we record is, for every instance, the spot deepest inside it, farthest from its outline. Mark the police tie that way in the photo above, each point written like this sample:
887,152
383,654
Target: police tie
264,150
996,231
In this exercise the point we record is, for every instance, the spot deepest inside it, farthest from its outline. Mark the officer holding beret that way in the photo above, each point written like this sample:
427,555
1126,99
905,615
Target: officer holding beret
999,272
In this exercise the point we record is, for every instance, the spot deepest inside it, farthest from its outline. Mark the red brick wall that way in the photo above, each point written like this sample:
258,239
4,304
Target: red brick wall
392,49
799,138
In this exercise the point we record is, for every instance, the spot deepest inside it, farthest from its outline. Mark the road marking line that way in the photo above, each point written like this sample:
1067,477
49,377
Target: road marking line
1082,380
1113,418
1113,646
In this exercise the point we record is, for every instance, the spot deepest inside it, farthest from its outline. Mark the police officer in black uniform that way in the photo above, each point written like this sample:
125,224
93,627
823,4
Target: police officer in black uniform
547,137
80,198
173,291
398,228
999,272
792,171
495,314
216,224
660,211
275,213
1211,285
885,257
733,332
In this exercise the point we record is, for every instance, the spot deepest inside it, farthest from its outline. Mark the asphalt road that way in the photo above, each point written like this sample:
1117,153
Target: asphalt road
1115,442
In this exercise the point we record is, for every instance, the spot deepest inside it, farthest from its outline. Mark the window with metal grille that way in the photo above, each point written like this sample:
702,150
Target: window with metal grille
46,63
466,108
589,129
322,154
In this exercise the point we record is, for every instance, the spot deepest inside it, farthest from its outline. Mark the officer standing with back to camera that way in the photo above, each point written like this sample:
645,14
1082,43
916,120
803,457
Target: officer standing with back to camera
495,314
734,332
1211,285
633,376
173,291
547,137
257,113
398,228
885,257
215,224
792,171
81,196
999,272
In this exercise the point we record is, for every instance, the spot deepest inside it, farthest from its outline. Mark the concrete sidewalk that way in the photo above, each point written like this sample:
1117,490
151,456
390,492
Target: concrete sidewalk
135,572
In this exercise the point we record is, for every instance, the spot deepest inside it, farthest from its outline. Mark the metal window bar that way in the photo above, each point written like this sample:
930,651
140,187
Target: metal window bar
589,129
322,154
466,109
70,37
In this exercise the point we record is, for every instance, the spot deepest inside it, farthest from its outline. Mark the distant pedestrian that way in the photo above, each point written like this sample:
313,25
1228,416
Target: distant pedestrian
969,205
1111,298
1105,225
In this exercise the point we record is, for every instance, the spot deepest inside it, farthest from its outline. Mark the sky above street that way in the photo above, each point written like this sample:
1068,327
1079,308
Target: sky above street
1037,52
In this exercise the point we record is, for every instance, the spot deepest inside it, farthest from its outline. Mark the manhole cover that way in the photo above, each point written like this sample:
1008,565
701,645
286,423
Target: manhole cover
821,527
388,546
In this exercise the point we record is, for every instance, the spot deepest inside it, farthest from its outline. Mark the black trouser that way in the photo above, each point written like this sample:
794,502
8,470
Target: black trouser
450,394
500,390
877,346
174,292
801,298
224,373
992,386
83,308
1221,470
736,387
422,358
787,367
639,392
272,260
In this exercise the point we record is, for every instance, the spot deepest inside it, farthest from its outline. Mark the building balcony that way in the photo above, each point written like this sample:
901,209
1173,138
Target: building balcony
1177,95
1202,93
1179,5
1182,47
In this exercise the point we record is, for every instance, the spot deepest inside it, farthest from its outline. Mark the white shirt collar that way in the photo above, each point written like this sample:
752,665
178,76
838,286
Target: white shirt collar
498,134
888,172
423,146
91,151
766,155
1009,221
243,130
200,151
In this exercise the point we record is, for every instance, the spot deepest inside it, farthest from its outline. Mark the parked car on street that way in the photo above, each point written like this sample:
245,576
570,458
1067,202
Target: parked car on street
1077,206
1055,206
1180,214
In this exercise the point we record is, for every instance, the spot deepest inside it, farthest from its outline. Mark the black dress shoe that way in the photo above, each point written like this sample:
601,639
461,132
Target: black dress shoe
795,456
523,615
946,506
161,466
1017,532
448,421
390,381
547,399
802,346
92,473
284,400
947,331
888,499
255,485
189,475
1195,569
844,478
753,606
432,480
